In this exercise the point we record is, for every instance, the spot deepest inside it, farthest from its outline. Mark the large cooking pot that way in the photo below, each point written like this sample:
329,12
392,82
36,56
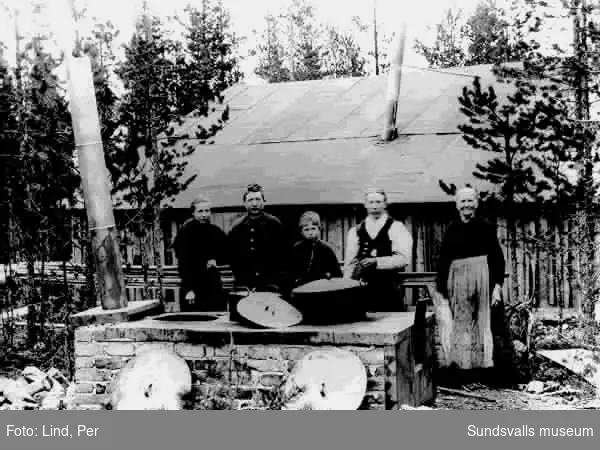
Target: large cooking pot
330,301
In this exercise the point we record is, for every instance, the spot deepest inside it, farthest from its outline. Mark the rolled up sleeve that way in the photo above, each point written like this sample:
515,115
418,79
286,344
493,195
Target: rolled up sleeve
351,252
402,244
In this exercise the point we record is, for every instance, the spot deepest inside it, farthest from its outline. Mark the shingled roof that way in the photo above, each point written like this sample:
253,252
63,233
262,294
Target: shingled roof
316,142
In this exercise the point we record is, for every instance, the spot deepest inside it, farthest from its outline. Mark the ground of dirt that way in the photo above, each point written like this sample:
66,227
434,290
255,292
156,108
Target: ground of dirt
562,389
511,399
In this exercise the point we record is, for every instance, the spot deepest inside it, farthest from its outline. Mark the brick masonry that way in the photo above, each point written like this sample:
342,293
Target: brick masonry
253,372
241,376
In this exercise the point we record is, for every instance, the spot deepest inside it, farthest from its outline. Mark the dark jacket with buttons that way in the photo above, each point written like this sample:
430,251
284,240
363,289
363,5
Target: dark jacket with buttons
258,248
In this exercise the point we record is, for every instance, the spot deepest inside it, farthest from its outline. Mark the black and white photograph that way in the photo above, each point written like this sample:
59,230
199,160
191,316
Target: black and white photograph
299,205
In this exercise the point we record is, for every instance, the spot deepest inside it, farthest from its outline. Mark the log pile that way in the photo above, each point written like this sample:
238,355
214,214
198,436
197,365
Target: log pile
35,389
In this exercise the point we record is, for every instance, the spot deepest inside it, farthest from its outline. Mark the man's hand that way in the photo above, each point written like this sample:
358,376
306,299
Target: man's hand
364,268
496,295
211,263
190,296
368,263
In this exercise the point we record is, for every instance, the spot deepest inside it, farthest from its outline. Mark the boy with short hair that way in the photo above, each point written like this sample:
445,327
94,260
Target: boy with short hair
311,258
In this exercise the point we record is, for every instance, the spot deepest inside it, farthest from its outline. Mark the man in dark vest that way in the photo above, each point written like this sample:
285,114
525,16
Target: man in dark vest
258,246
199,247
376,249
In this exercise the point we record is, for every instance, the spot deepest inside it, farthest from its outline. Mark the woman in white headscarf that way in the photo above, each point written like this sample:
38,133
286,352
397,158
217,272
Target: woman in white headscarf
470,276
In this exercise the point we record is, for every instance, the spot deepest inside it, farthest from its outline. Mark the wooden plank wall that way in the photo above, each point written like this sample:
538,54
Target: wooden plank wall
545,254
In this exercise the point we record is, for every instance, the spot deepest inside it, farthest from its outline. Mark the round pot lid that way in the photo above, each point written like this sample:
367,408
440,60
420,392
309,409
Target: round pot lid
268,310
326,380
329,285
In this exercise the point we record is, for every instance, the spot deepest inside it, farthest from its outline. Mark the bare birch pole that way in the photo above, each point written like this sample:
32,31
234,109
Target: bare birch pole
393,89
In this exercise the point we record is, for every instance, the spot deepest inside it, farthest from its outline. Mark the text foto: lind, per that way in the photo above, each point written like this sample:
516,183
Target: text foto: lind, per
49,431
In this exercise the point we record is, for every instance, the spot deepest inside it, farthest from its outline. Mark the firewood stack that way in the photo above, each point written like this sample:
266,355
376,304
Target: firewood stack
35,389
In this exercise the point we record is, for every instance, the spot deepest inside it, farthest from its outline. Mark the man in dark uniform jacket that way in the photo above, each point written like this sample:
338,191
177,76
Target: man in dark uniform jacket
376,249
258,246
199,247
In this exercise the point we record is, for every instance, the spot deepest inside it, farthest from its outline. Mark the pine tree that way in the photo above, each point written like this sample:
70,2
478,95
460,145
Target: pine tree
271,53
341,55
482,38
46,175
532,140
147,176
303,41
210,60
449,47
533,132
569,74
8,161
488,34
164,81
296,47
41,179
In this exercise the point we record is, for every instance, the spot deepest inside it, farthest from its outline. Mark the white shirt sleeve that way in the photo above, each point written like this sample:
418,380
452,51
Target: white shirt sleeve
402,243
351,252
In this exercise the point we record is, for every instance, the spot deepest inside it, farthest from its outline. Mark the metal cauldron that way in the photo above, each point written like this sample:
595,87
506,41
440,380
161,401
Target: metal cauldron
331,301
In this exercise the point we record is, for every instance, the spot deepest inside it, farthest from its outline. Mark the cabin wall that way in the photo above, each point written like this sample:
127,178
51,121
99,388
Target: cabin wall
545,256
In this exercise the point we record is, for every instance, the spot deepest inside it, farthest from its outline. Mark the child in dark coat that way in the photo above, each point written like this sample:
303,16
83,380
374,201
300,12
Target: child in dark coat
312,259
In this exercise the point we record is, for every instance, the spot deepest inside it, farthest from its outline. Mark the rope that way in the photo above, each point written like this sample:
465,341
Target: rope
86,144
105,227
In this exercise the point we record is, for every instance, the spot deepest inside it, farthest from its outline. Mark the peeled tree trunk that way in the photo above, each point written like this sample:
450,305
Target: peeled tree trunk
95,184
390,131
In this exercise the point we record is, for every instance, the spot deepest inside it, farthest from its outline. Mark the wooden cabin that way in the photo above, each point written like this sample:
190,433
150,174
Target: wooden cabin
315,145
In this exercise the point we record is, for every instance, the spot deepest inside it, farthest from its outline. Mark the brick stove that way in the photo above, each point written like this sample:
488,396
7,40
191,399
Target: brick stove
256,360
